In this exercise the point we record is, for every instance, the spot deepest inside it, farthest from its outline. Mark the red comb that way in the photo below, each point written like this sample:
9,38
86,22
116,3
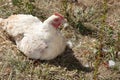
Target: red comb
57,14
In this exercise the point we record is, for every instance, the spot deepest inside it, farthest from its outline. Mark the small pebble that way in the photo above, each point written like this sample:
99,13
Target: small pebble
87,65
111,63
119,53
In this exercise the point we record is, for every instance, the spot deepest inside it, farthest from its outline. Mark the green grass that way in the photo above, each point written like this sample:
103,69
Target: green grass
91,29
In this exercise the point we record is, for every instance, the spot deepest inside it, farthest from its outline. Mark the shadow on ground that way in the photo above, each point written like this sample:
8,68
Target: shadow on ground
69,61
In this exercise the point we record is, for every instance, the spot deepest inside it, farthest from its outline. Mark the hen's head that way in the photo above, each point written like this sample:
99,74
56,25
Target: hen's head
55,20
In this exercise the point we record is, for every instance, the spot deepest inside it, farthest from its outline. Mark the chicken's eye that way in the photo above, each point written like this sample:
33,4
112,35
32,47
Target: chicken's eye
56,20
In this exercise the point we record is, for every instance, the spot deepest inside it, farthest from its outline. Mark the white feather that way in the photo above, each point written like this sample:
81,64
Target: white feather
40,40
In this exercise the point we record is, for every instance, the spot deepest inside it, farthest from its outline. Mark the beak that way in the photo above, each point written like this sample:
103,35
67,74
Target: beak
65,23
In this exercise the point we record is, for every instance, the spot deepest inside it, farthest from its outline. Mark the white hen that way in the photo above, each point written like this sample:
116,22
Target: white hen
40,40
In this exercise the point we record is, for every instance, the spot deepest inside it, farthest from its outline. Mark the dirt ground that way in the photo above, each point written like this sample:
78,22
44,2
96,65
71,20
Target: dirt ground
78,62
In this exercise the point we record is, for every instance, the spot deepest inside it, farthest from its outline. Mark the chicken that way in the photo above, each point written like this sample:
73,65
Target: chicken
40,40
